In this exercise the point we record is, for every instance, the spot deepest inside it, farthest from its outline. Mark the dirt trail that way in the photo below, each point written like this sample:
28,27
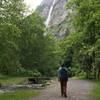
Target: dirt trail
77,90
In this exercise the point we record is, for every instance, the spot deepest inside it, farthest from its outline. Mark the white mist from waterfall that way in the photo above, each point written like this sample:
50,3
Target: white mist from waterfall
49,15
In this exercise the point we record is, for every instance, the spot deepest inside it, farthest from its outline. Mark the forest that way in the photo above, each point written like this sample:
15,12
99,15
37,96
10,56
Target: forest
25,49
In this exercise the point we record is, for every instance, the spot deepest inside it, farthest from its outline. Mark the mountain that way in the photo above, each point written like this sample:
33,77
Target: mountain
44,7
55,10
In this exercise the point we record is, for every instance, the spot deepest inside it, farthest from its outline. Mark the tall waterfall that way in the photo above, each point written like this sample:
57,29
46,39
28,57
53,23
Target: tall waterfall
49,15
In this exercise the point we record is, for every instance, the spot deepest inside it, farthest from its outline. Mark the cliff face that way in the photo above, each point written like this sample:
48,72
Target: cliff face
58,19
44,8
58,13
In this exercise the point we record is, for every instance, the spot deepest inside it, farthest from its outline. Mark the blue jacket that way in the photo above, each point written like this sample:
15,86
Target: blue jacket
62,73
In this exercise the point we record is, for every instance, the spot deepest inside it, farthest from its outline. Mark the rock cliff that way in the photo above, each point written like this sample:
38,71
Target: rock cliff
58,18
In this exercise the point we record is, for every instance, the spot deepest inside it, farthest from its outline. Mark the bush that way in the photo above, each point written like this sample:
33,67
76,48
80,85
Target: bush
33,73
20,71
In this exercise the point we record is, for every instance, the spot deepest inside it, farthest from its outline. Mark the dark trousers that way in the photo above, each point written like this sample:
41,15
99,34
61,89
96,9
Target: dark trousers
63,84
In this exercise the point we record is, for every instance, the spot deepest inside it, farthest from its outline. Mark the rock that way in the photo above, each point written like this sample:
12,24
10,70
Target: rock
1,91
57,25
44,7
59,12
32,81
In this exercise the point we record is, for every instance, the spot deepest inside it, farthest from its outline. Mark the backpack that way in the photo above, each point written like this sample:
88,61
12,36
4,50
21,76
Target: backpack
63,73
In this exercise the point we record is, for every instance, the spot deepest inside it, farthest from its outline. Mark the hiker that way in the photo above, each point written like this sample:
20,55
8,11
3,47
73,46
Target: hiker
63,78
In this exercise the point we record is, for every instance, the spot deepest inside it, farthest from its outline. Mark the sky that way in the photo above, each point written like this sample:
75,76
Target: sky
32,4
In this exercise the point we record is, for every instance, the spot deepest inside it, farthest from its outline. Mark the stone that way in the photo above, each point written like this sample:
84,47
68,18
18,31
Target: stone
1,91
57,25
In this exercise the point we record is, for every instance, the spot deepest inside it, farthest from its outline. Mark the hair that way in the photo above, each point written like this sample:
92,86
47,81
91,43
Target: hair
63,65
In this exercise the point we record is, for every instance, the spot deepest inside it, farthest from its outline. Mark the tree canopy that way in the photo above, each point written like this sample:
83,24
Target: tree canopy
83,39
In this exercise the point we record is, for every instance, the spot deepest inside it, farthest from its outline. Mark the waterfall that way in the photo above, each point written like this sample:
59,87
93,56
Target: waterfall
49,15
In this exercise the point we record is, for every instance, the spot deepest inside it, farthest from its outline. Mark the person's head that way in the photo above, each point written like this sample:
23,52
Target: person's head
63,65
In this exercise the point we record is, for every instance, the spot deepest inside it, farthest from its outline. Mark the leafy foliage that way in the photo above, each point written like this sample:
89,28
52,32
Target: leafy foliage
84,37
24,49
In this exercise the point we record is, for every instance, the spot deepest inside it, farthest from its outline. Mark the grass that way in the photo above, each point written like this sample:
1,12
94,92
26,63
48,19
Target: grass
19,95
96,91
6,80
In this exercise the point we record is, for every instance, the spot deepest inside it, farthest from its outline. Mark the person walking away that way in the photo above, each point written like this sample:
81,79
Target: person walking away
63,78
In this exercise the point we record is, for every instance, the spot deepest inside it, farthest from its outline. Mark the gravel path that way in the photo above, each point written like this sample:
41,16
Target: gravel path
77,90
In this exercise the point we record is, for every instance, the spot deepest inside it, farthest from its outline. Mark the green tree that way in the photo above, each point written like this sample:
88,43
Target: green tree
38,51
85,19
11,12
52,55
31,43
9,49
97,59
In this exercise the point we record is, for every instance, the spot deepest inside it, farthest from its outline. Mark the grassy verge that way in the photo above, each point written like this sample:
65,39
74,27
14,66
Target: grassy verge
19,95
96,91
6,80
